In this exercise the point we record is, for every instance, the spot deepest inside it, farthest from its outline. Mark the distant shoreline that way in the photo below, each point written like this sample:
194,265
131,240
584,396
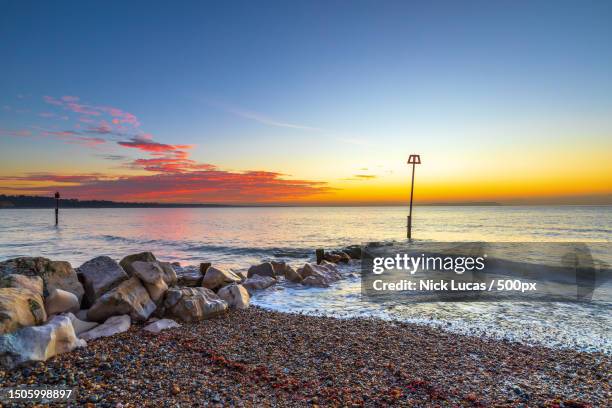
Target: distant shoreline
32,202
45,202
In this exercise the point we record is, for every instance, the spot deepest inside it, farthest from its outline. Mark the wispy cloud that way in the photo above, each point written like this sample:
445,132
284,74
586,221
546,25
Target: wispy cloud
113,157
259,117
87,111
357,177
15,133
269,121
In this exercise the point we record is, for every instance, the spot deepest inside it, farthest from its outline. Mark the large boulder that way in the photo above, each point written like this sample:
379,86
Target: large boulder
152,276
60,301
292,275
112,325
264,269
38,343
204,267
32,283
236,296
99,275
258,282
193,304
279,267
80,326
170,276
157,326
319,275
130,298
126,263
337,257
216,278
20,308
55,274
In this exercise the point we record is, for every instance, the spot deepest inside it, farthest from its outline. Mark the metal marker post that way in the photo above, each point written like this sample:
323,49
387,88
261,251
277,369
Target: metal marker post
57,198
414,159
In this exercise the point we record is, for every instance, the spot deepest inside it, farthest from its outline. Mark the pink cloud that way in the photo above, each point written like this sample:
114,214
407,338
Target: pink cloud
72,136
146,144
72,104
212,186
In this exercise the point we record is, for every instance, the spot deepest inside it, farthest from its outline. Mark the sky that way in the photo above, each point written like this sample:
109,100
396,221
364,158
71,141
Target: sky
307,102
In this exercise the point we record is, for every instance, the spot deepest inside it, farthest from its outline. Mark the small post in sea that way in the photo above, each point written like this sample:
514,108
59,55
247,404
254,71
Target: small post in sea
57,198
414,159
320,253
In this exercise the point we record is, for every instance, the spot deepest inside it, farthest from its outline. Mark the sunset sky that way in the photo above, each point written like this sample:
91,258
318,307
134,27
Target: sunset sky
313,102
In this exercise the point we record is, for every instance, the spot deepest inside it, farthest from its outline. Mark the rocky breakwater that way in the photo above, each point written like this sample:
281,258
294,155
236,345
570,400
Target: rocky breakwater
47,307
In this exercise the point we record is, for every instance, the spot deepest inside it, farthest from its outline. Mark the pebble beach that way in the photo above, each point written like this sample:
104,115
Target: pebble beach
255,358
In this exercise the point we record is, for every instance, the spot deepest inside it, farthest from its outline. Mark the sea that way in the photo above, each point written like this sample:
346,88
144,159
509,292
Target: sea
237,237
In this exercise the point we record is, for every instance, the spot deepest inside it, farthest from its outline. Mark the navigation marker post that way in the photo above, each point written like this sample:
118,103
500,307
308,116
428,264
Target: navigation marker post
57,198
413,159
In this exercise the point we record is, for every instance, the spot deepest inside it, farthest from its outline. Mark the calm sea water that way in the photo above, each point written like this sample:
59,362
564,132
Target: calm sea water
239,237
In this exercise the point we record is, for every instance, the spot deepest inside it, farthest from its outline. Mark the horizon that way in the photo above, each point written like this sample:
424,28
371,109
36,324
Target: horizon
144,204
202,102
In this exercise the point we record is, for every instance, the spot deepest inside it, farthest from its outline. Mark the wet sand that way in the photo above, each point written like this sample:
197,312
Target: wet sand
259,358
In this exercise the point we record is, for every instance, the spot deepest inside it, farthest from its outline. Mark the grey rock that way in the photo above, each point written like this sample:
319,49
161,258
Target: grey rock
193,304
55,274
130,297
20,308
264,269
38,343
99,275
111,326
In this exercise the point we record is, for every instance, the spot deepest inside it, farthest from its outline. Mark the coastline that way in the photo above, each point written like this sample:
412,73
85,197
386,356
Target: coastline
256,357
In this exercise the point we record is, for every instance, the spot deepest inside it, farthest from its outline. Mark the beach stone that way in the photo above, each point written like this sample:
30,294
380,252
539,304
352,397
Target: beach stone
130,297
170,276
236,296
20,308
216,278
60,301
80,326
159,325
111,326
264,269
258,282
292,275
38,343
99,275
319,275
152,276
31,283
55,274
126,263
193,304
